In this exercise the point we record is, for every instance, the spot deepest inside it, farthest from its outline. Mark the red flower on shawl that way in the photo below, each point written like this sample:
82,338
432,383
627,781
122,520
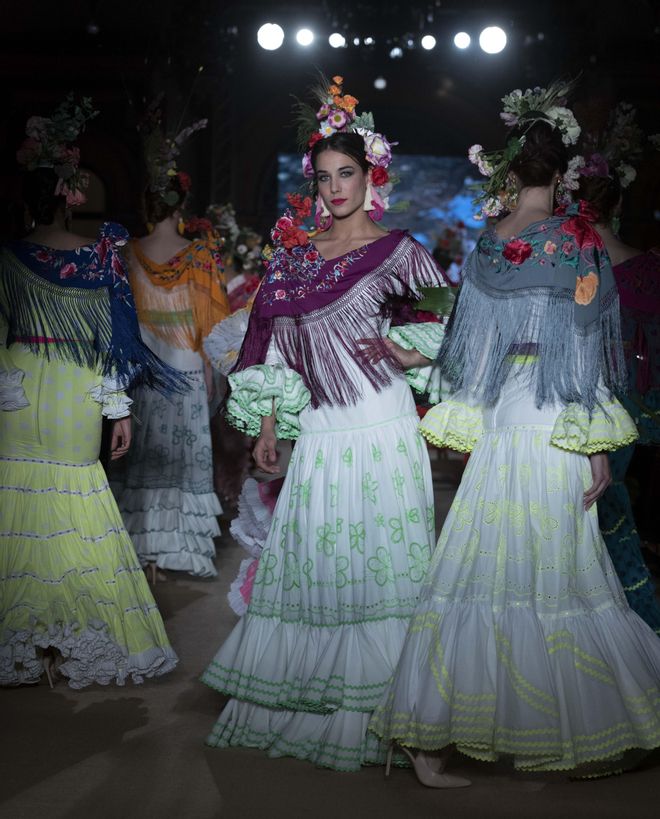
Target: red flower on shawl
516,251
585,236
68,270
43,256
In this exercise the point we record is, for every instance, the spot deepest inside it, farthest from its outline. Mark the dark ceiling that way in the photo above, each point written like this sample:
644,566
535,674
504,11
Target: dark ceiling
439,101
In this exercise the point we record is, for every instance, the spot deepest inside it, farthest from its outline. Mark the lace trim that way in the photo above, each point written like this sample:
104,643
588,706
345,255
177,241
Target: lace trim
453,424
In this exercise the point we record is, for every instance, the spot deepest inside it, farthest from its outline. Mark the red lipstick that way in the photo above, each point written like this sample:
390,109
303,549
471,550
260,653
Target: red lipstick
338,201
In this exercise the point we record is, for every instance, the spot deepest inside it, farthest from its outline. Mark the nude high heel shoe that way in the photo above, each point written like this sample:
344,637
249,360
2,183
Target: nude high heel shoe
425,775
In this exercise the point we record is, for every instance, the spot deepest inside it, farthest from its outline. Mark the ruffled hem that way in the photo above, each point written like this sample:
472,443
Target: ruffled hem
453,424
240,591
307,668
257,390
12,394
553,694
250,528
90,656
339,741
609,428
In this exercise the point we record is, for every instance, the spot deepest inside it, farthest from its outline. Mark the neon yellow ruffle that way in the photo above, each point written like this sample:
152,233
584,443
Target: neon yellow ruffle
257,390
427,338
453,424
610,427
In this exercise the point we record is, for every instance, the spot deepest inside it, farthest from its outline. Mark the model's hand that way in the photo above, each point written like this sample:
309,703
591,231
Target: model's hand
121,438
375,349
265,450
602,478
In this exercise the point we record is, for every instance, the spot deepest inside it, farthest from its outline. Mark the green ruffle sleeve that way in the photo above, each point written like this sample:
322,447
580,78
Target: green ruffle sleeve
610,427
257,390
455,424
426,337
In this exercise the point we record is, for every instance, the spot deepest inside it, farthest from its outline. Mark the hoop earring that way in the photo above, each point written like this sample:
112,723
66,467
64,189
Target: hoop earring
322,216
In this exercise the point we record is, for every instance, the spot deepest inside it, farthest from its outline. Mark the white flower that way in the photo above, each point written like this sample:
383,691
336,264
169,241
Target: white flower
378,150
492,206
473,154
571,178
241,249
326,128
626,173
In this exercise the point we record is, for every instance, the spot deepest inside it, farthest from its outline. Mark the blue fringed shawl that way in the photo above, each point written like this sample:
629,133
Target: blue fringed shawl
77,305
549,295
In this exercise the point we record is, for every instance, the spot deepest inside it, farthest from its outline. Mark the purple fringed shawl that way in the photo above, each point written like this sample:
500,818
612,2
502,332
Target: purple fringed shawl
315,311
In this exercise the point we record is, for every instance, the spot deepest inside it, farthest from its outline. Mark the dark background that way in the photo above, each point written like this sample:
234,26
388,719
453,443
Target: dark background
123,52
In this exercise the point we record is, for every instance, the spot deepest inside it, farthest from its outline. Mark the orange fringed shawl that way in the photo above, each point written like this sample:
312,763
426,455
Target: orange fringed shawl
181,300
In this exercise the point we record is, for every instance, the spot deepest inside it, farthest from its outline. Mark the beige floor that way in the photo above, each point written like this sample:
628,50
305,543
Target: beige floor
138,752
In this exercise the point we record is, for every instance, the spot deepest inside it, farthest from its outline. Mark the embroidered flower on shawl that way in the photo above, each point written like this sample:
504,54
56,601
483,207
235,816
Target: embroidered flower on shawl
585,288
516,251
585,235
68,270
549,247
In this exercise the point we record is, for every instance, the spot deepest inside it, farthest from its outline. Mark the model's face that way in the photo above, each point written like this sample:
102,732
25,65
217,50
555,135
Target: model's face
341,182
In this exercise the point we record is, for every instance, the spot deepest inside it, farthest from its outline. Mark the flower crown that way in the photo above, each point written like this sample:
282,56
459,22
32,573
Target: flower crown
161,152
524,110
337,115
242,243
616,148
48,144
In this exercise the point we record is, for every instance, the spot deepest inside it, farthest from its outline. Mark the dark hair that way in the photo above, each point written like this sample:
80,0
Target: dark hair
39,194
542,156
603,193
344,143
156,208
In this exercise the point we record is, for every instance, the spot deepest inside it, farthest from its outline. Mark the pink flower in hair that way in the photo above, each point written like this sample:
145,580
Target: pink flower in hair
596,165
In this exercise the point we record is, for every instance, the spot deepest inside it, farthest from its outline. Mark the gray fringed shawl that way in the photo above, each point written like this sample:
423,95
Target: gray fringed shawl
548,295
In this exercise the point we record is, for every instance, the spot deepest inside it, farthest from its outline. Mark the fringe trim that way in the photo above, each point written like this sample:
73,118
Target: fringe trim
322,346
571,364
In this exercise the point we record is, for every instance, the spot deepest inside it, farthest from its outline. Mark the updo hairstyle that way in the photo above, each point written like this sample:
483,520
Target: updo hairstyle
542,156
603,193
156,208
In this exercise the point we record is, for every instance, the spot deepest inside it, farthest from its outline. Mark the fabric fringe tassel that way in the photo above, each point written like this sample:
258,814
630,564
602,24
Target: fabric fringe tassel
564,363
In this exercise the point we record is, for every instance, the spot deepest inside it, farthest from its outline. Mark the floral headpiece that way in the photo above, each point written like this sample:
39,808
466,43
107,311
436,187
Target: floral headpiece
337,115
161,151
523,110
244,244
49,145
616,148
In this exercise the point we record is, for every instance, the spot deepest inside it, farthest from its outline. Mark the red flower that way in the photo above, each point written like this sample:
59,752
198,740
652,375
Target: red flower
380,177
293,237
185,181
516,251
284,223
302,207
43,256
585,235
311,255
68,270
315,137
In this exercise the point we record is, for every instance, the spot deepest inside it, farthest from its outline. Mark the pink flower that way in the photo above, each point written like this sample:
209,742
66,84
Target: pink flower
549,247
338,119
596,165
323,112
75,198
43,256
280,294
307,167
567,248
68,270
516,251
284,223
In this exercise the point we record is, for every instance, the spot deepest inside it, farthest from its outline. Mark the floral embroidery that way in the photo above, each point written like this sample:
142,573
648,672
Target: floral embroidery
585,288
517,250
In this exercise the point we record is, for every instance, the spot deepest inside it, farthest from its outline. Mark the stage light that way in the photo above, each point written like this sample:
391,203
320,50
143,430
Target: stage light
380,83
428,42
396,53
356,41
462,40
369,41
270,36
337,40
92,28
304,37
492,40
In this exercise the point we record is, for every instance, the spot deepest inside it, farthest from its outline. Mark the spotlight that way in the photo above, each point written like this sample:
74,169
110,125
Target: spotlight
92,28
380,83
462,40
396,53
337,40
492,40
305,37
356,41
270,36
369,41
428,42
